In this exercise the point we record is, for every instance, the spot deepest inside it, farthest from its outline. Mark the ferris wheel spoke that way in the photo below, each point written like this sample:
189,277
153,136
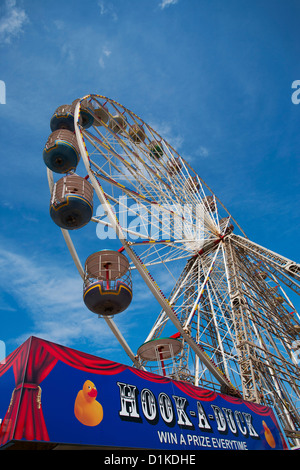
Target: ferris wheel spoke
201,290
180,286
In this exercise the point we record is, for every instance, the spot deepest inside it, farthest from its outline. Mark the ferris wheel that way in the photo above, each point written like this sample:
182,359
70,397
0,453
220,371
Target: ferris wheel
227,320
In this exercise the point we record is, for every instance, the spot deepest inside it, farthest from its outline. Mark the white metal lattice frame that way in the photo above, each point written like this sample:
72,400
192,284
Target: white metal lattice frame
236,332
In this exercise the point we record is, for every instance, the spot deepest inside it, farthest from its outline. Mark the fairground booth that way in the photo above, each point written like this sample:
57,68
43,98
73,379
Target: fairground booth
54,397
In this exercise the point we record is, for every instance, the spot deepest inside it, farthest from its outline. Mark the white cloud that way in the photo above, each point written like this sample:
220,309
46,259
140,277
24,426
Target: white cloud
11,24
105,53
68,54
59,24
106,8
167,3
202,151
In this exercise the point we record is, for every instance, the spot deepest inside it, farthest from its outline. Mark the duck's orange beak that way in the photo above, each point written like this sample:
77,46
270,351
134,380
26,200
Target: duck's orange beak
93,393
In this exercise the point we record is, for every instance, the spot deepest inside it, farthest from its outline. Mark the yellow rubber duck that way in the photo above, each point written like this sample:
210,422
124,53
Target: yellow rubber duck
87,409
269,436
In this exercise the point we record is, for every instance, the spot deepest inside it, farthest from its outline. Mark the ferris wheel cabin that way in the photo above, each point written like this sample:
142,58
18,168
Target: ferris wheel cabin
162,351
137,133
209,203
107,283
61,152
63,117
192,184
117,123
155,149
101,116
174,165
86,119
71,205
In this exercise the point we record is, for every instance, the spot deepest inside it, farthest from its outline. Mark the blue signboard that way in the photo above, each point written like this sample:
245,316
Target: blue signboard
81,399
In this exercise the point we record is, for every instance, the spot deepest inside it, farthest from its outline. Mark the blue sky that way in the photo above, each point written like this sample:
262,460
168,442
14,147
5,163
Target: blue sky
214,76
